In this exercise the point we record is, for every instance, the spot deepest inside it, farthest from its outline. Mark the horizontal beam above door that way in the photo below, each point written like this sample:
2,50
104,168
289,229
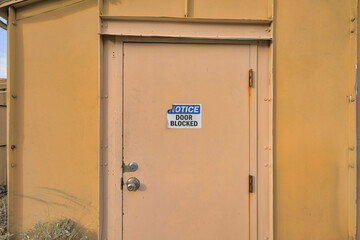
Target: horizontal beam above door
251,30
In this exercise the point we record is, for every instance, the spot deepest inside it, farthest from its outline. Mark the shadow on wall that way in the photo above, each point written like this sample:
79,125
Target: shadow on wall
63,210
28,202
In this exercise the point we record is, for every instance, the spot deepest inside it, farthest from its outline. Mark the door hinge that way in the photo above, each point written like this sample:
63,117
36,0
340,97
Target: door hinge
251,184
122,183
251,78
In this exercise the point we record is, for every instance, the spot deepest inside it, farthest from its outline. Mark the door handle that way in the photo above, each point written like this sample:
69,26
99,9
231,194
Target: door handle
132,184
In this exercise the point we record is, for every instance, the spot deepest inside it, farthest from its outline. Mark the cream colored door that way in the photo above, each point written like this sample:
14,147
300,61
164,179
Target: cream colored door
194,182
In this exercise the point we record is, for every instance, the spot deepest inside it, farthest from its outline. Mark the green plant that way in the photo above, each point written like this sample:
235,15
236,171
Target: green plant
63,229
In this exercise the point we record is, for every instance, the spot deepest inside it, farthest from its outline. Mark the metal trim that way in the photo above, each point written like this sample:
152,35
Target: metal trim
188,20
186,29
3,25
10,2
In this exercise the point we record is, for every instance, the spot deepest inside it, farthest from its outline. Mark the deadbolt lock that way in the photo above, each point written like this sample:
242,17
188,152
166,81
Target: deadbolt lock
131,167
132,184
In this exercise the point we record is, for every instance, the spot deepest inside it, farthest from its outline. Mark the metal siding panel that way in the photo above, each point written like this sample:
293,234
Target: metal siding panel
56,118
217,9
228,9
154,8
3,112
315,72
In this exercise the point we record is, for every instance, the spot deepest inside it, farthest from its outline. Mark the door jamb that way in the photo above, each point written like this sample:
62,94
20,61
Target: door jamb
111,137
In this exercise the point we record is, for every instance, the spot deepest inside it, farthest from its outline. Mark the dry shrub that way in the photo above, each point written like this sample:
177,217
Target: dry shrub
4,235
63,229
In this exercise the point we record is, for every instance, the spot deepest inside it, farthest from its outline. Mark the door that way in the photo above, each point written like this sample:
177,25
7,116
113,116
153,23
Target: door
194,181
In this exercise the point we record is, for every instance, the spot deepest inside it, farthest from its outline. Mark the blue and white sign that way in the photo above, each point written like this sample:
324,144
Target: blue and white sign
184,116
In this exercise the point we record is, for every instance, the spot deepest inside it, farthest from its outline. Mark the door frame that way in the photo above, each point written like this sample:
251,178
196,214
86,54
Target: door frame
111,113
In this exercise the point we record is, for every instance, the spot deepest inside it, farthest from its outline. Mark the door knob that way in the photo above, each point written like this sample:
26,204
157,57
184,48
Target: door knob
132,184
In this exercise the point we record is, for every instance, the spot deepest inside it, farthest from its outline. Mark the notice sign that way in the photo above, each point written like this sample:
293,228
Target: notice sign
184,116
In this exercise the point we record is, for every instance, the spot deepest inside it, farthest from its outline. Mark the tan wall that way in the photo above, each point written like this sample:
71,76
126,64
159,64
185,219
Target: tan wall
2,133
227,9
55,116
315,124
56,111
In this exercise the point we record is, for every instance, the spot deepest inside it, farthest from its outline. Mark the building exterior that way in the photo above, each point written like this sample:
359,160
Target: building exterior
96,86
3,167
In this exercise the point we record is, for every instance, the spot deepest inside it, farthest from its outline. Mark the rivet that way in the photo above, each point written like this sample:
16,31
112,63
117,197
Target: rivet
13,147
351,148
13,96
265,99
353,19
13,165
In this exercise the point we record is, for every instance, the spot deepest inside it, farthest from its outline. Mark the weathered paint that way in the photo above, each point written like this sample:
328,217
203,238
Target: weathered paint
189,171
55,117
217,9
314,121
315,58
3,167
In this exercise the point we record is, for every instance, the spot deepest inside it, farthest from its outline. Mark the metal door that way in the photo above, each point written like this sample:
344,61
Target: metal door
194,181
